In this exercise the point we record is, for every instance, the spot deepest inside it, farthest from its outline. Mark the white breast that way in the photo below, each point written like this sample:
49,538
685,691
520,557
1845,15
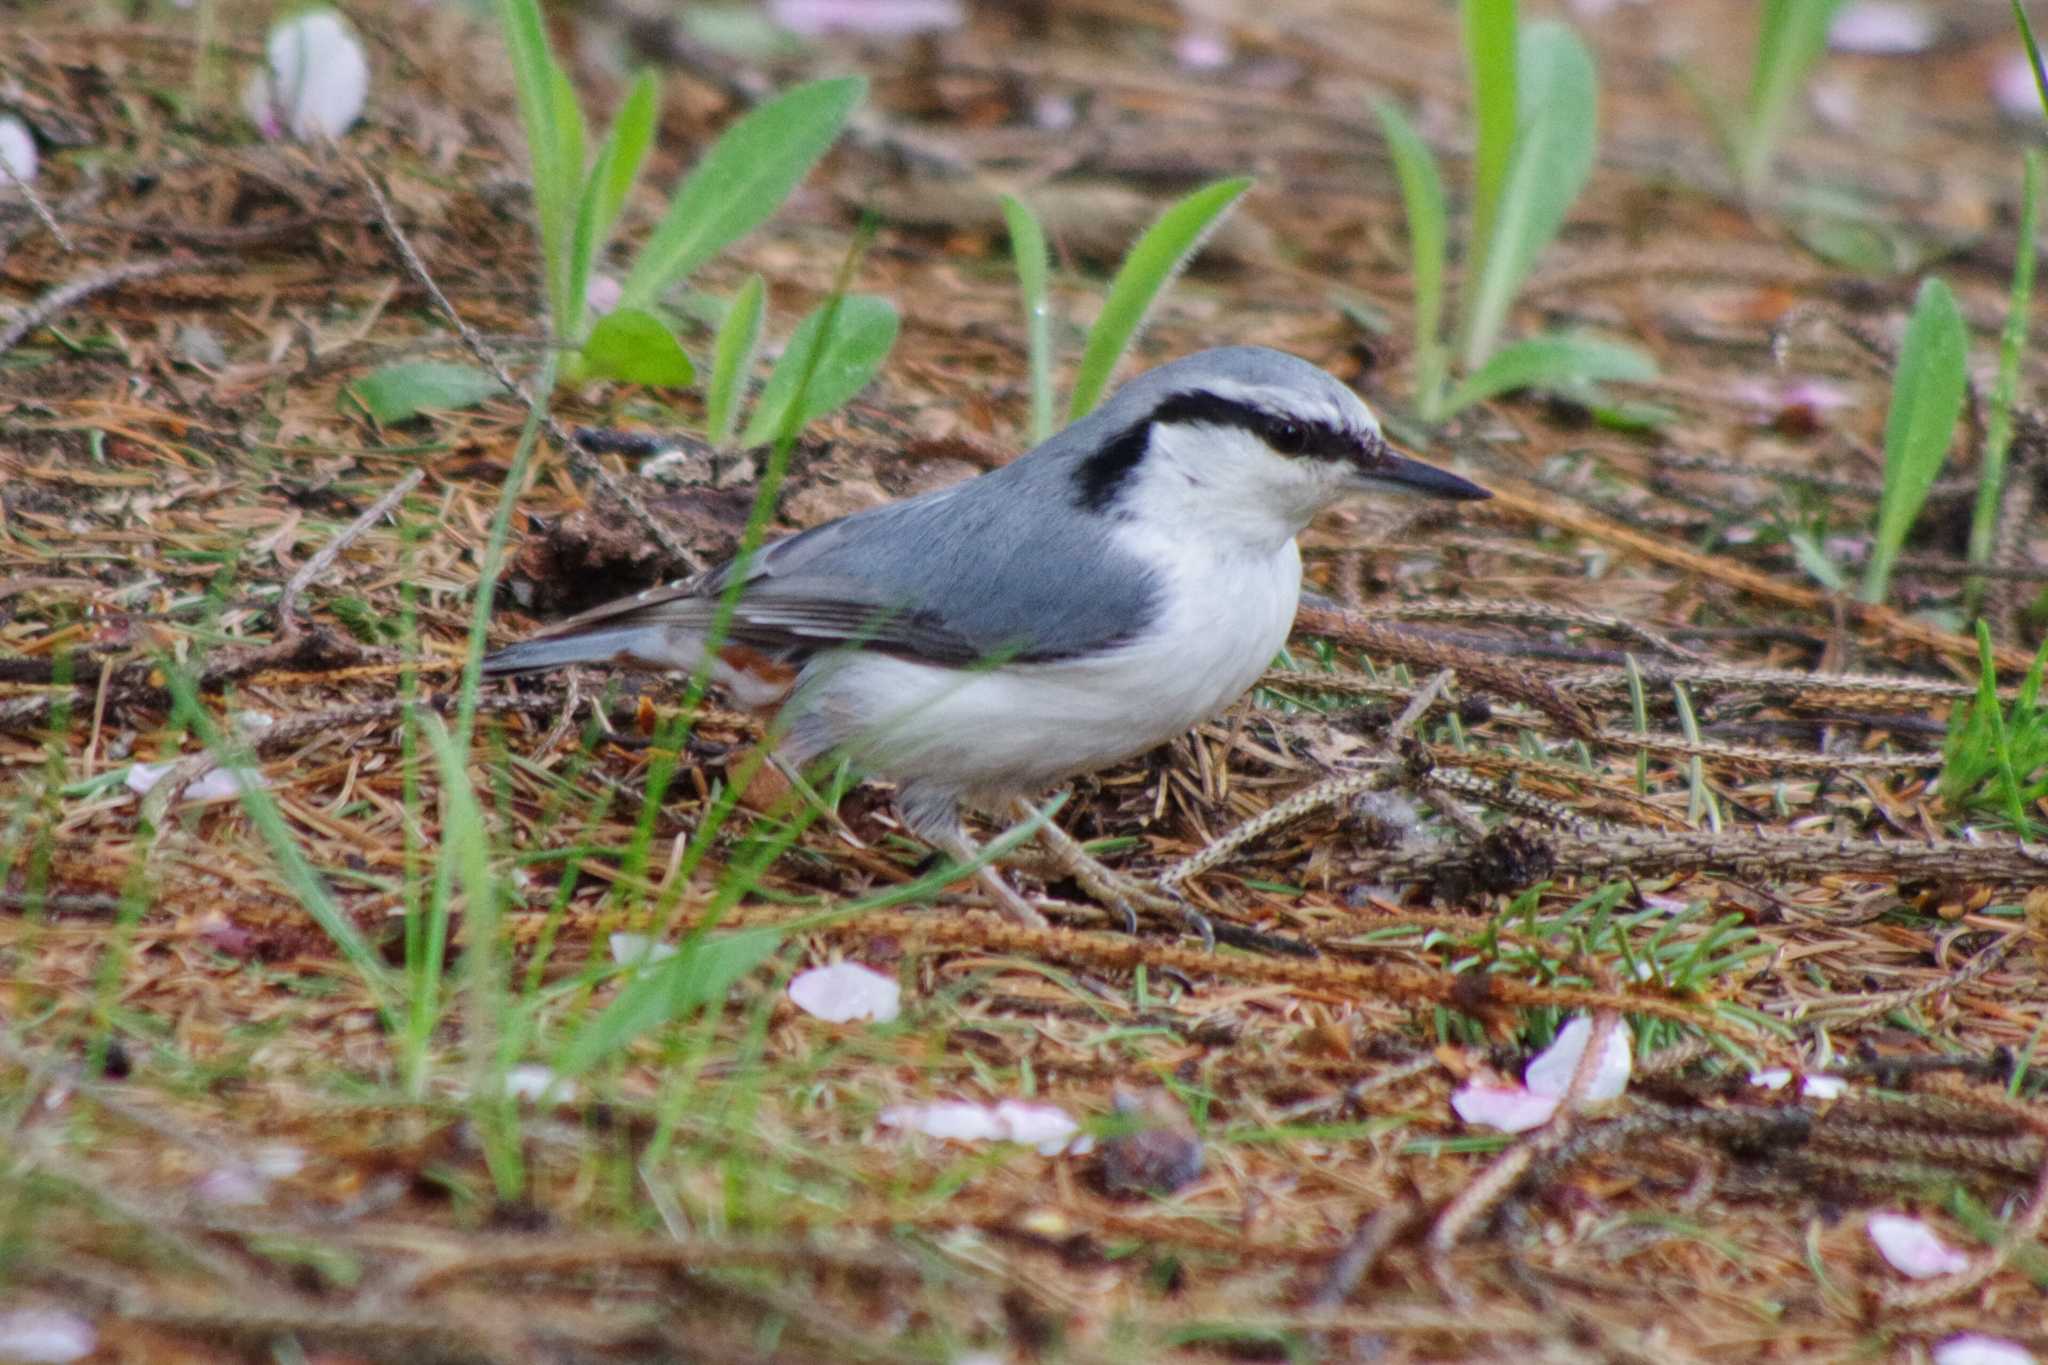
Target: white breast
1018,729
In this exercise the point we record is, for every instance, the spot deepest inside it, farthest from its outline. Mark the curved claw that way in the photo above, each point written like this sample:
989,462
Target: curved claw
1127,918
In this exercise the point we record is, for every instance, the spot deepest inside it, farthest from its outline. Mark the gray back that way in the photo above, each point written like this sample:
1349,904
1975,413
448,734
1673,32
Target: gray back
1010,561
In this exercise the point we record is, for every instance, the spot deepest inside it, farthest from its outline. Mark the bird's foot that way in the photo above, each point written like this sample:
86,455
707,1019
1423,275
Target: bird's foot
1122,896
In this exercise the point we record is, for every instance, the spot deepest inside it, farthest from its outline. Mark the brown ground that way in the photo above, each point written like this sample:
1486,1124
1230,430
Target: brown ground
175,451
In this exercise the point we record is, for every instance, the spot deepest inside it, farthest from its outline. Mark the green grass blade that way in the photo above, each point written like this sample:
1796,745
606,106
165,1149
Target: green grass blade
1422,198
298,874
555,145
1927,397
465,854
1789,41
2012,344
2019,15
632,134
739,341
1552,362
862,333
604,194
1552,161
699,974
1150,265
1490,29
741,181
1034,271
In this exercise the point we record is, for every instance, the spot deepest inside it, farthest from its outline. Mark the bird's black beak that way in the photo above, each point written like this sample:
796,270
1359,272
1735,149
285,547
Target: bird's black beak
1381,468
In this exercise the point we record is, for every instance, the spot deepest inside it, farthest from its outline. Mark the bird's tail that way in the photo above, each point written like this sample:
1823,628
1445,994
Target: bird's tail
647,647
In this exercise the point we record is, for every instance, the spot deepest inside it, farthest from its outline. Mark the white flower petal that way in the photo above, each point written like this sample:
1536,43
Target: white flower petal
846,991
869,18
1509,1108
231,1186
45,1336
959,1120
17,152
1881,28
534,1082
602,294
142,776
1047,1127
1775,1078
1912,1247
279,1161
1973,1349
1550,1073
316,82
2013,90
630,948
222,783
1823,1087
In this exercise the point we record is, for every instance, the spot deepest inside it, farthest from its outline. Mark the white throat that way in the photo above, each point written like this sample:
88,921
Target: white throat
1224,487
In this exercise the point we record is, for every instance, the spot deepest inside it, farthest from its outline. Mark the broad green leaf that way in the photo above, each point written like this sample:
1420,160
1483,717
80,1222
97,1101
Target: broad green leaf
698,975
1034,271
860,342
1491,64
739,341
742,180
1927,398
604,194
1789,41
632,133
1422,197
1553,158
1150,265
632,345
397,393
1552,362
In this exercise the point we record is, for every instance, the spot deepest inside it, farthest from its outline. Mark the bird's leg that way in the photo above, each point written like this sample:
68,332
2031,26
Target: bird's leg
1013,905
1122,895
933,814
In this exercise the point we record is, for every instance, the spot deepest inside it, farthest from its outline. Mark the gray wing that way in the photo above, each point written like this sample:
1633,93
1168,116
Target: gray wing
1004,566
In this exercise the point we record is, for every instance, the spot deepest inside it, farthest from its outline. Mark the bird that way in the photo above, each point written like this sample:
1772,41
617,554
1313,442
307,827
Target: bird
1124,581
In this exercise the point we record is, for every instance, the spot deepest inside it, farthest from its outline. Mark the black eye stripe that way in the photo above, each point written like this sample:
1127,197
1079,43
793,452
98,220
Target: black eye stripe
1295,436
1101,477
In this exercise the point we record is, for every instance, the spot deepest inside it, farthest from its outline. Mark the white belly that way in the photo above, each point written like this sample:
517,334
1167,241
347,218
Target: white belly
1017,729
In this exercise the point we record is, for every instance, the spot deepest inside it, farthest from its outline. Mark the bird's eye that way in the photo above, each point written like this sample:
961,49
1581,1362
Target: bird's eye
1289,438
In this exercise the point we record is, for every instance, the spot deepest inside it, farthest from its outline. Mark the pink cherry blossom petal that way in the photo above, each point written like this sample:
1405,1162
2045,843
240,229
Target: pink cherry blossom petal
1509,1108
867,18
45,1336
1912,1247
1882,28
1045,1126
1551,1070
1972,1348
846,991
956,1120
638,948
17,153
2013,89
314,82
